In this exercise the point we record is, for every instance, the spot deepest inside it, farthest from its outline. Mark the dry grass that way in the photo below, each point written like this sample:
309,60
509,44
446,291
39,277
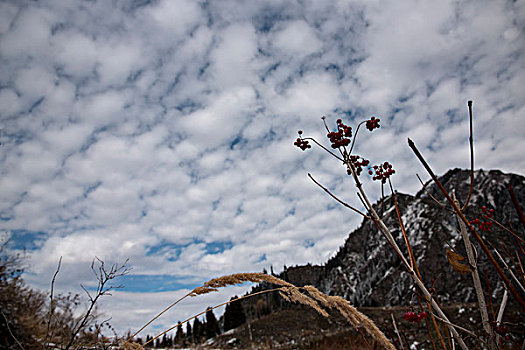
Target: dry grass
308,295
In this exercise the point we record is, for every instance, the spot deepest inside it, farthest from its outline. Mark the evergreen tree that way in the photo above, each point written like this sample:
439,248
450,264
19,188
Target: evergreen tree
189,333
212,326
179,336
198,329
148,338
234,315
164,341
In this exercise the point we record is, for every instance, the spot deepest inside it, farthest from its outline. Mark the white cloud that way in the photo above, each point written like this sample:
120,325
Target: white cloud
297,38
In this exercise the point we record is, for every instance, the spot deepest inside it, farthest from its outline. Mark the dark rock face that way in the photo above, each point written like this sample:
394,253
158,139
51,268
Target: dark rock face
367,272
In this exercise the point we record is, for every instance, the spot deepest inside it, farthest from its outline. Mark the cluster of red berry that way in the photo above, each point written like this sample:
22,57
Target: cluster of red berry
383,172
484,225
503,331
302,144
373,123
358,163
342,136
413,317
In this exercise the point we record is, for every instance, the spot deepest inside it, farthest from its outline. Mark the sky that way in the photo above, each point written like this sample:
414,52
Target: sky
162,131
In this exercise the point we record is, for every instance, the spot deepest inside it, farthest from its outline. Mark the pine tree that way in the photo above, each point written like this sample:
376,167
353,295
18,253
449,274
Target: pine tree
212,326
189,333
234,315
148,338
179,336
198,329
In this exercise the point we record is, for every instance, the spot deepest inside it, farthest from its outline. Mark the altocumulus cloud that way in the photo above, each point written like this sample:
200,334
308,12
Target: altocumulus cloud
162,131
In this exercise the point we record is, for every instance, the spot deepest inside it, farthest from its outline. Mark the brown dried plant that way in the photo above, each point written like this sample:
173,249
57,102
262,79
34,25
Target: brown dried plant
308,295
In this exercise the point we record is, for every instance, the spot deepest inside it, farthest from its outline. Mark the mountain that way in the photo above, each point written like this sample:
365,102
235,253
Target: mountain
366,271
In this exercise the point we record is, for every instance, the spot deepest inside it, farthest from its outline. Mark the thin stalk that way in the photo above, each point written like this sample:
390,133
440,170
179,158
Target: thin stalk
413,264
471,142
51,302
516,204
337,199
431,196
507,267
397,332
159,314
501,310
323,147
477,283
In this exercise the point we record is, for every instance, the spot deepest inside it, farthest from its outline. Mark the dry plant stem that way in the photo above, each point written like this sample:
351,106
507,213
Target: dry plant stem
413,265
213,308
431,196
477,281
516,204
521,267
397,332
51,302
337,199
516,280
323,147
394,245
506,229
469,332
158,315
500,313
10,332
427,322
103,278
473,231
501,310
471,142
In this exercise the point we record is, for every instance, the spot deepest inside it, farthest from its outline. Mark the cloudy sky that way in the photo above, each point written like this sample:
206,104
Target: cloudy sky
162,131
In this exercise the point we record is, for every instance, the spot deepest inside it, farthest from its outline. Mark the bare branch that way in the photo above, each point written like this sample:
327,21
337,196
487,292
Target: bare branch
10,332
516,204
471,142
397,332
51,300
431,196
337,199
103,277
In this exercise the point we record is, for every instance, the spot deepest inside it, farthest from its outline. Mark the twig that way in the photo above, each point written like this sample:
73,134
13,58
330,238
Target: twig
475,278
397,332
506,229
516,280
323,147
470,227
413,263
355,135
502,309
516,204
337,199
460,328
158,315
431,196
10,332
471,142
103,278
51,300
